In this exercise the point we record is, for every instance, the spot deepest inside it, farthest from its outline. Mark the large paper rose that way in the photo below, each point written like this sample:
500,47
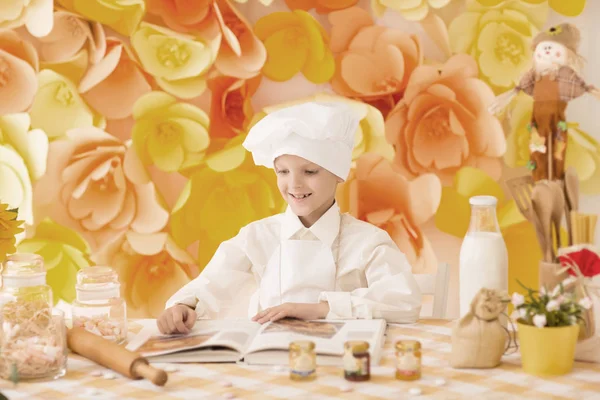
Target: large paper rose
370,135
58,107
171,135
412,10
122,16
18,67
36,15
31,145
376,192
151,268
371,61
570,8
231,105
499,39
95,183
71,46
179,62
15,184
228,193
295,42
115,83
442,122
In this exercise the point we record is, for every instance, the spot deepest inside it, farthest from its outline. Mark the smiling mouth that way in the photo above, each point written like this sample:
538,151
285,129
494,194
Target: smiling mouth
300,196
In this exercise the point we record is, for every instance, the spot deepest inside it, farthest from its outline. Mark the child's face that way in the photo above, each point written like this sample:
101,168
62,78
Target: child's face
308,188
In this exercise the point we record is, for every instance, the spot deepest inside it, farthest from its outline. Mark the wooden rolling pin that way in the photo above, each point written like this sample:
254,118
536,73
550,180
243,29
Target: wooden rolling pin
113,356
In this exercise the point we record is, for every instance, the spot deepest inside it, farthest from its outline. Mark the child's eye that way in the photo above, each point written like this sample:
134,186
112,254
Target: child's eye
282,171
311,171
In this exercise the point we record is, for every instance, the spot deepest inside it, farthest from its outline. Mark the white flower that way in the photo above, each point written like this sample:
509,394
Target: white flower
523,312
517,299
569,281
552,305
539,320
560,299
586,303
543,291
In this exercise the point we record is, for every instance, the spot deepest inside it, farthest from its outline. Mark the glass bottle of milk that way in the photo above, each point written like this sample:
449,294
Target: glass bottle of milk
483,254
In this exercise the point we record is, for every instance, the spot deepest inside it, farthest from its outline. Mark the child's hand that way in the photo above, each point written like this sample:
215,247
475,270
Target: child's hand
294,310
177,319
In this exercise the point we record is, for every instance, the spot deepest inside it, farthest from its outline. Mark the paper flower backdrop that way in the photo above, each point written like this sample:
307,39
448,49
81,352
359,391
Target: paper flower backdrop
121,123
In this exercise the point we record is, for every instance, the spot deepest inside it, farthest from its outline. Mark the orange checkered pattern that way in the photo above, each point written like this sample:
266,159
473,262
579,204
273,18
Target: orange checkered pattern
220,381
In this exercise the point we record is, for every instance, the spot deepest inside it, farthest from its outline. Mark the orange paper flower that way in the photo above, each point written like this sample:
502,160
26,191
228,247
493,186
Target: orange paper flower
113,85
371,61
95,183
295,42
321,6
242,54
151,268
181,16
231,107
18,68
377,192
442,123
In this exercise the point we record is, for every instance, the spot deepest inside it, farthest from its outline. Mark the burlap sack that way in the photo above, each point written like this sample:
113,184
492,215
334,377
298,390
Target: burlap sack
552,274
479,339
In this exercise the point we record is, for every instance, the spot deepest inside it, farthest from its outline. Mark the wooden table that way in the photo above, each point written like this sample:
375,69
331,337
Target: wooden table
209,381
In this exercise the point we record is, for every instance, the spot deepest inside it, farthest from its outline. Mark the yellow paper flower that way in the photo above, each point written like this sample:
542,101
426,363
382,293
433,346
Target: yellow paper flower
32,145
169,134
178,62
36,15
151,268
568,8
226,194
295,42
122,15
57,107
370,136
9,227
583,151
15,183
454,213
64,251
412,10
498,38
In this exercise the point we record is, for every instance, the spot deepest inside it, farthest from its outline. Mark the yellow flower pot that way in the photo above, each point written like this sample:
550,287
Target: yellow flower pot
547,351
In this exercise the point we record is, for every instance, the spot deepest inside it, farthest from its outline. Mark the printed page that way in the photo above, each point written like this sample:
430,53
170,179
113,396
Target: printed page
234,334
328,336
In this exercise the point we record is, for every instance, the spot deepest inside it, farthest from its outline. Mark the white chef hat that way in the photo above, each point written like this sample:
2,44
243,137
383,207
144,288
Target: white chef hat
322,133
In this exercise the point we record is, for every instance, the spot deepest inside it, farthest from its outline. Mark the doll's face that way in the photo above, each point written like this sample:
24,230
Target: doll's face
550,53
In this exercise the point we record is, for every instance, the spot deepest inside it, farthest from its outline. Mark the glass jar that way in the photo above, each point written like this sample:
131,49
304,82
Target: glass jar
357,361
408,360
24,290
483,255
99,307
303,361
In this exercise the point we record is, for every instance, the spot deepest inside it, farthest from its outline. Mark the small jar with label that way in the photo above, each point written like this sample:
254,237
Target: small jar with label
303,361
408,360
357,361
99,307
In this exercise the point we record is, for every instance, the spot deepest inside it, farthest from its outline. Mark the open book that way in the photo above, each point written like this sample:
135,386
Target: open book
252,343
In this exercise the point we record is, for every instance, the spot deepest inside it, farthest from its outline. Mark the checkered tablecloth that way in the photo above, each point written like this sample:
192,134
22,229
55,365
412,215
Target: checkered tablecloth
223,381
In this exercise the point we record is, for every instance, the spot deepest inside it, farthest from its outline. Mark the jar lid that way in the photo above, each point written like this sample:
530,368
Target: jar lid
408,345
357,346
23,265
305,345
97,275
483,201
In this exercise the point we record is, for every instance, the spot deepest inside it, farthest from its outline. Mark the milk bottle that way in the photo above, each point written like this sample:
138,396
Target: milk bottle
483,255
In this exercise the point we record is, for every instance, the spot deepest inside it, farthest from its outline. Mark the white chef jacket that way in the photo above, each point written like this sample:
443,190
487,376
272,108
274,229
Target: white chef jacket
373,278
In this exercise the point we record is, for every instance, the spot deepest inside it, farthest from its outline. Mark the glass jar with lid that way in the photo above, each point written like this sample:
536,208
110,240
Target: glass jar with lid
99,307
32,334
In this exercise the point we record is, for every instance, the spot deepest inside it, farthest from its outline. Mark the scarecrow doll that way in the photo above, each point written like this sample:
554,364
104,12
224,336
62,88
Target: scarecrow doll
553,81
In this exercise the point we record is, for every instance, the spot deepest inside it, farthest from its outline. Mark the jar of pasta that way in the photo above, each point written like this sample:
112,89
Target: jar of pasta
99,307
32,334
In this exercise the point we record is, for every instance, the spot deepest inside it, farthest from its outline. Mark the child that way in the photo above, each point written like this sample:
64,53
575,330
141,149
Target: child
310,262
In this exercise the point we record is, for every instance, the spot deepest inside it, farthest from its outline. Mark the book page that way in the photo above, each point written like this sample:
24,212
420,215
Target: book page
328,336
234,334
